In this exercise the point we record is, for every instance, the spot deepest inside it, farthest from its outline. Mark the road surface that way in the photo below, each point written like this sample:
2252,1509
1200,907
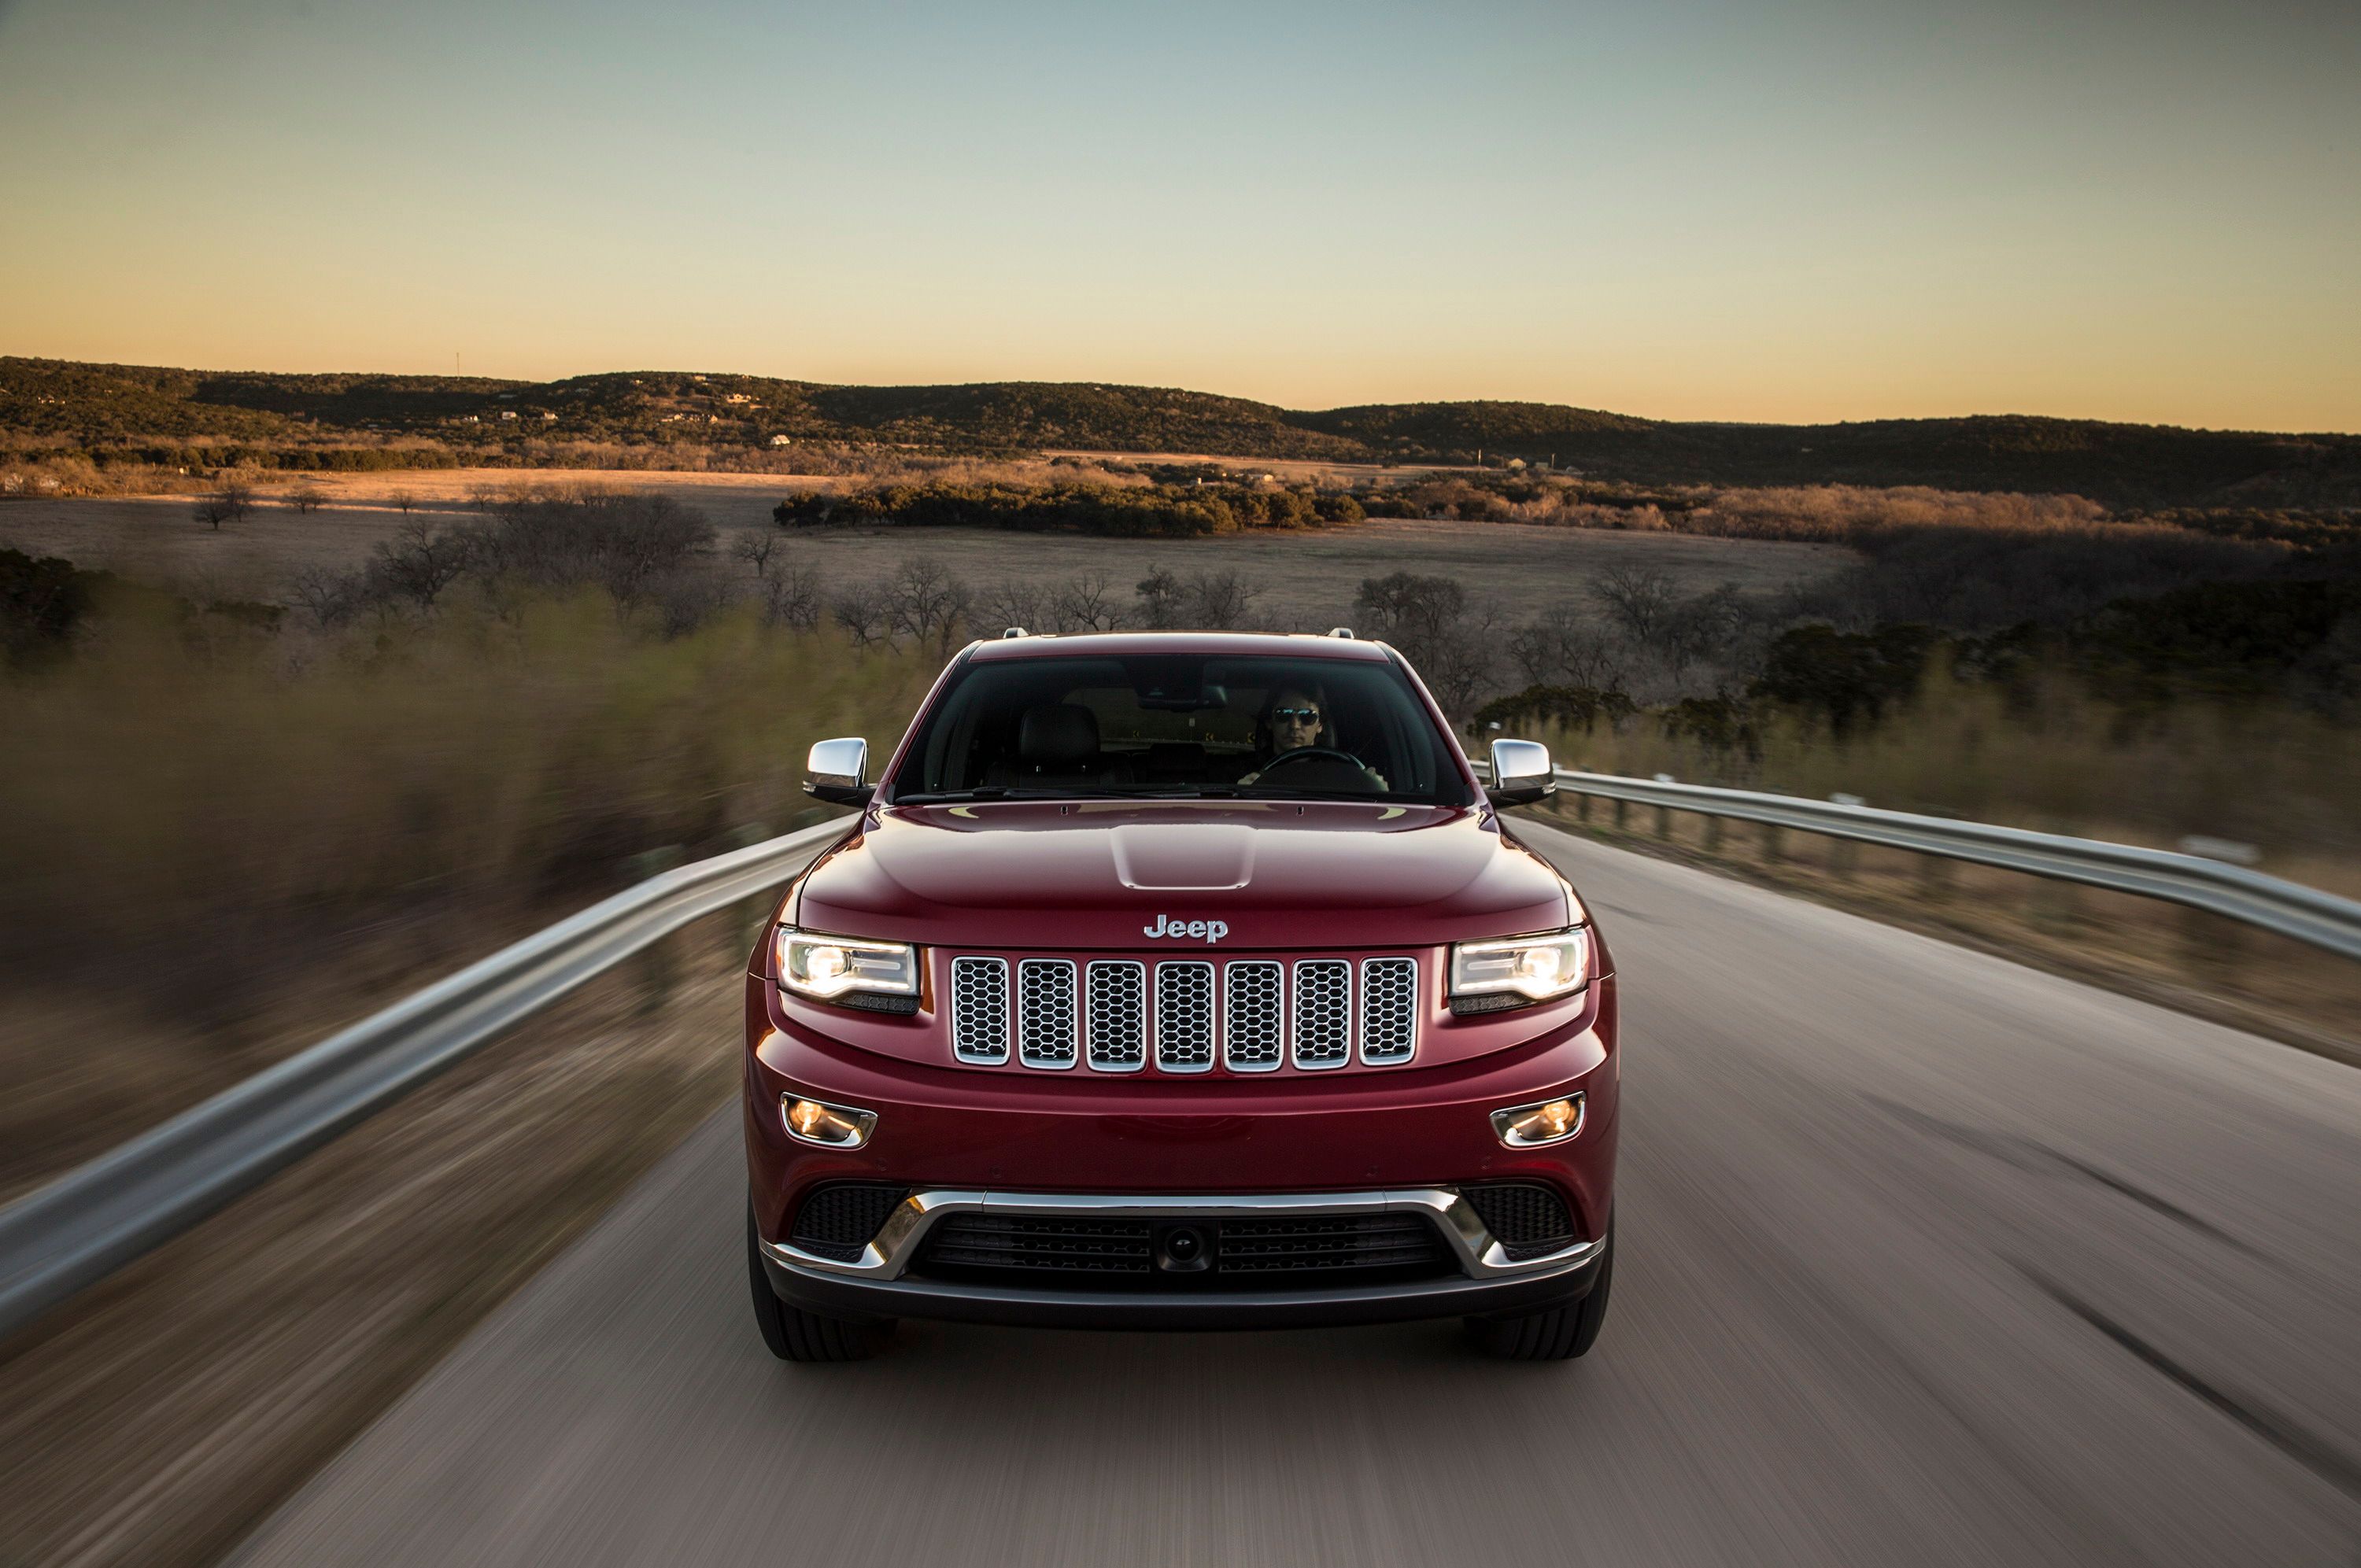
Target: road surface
1924,1258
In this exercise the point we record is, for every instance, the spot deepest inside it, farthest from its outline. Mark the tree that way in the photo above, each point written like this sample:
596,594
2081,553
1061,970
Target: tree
1641,599
307,497
793,596
1160,595
1450,640
928,603
403,501
861,610
756,550
1081,603
227,502
420,561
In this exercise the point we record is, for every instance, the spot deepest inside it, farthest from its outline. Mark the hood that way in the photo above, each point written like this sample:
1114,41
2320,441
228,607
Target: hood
1101,874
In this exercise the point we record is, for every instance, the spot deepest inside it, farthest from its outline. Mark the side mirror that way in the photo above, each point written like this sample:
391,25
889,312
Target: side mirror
838,772
1520,773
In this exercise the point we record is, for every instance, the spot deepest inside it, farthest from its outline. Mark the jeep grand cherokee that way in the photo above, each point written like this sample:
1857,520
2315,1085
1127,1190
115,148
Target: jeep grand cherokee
1118,1007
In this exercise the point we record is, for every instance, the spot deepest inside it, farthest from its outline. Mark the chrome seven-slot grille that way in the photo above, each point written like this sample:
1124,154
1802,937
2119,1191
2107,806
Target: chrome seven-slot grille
1184,1015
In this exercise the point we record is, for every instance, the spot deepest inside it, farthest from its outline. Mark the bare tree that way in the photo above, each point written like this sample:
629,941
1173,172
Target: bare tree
1220,599
1641,599
327,596
1084,602
1013,601
793,596
928,603
756,549
1450,640
421,561
403,501
307,497
227,502
1162,598
863,610
1566,647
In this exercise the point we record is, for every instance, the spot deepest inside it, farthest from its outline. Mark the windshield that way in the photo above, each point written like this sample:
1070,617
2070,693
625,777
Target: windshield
1167,725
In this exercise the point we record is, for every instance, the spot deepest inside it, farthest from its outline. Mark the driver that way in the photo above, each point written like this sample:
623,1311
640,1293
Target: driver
1295,718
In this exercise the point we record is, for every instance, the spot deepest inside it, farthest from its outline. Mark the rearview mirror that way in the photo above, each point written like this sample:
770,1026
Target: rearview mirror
1520,773
837,771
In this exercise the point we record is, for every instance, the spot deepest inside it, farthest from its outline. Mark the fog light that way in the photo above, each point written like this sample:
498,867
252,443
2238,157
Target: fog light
1529,1126
831,1126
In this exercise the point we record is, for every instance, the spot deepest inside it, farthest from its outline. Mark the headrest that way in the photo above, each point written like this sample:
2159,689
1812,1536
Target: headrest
1058,735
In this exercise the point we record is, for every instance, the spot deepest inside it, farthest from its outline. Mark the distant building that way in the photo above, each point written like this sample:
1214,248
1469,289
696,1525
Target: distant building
508,414
548,418
782,440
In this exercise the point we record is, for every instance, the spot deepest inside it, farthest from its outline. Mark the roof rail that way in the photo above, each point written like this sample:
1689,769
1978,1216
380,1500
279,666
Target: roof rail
1344,631
1008,631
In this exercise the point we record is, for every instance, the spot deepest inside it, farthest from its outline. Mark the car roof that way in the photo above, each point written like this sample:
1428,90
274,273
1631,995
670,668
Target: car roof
1220,644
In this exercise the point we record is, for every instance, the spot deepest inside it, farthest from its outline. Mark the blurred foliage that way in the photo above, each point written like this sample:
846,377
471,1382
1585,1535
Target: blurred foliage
222,801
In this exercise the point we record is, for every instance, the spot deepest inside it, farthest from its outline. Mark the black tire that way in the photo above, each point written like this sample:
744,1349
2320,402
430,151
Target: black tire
795,1335
1561,1333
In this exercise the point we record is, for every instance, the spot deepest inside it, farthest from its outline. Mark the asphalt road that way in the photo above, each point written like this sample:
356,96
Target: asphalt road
1923,1259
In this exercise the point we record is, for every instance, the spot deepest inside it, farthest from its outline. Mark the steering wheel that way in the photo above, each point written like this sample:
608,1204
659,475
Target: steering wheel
1312,754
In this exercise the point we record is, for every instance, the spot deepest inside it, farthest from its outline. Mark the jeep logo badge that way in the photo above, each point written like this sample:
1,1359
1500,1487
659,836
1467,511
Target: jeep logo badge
1203,930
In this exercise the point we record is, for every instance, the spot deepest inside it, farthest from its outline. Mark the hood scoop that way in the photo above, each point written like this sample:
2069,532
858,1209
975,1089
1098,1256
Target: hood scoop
1175,857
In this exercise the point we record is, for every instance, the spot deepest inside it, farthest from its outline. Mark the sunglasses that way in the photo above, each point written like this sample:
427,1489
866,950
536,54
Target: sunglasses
1296,715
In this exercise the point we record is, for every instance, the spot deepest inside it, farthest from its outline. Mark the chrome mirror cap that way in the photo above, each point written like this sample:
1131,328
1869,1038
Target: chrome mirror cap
1520,773
837,771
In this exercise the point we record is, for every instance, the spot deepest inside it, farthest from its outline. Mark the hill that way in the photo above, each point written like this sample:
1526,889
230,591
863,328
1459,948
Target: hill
159,414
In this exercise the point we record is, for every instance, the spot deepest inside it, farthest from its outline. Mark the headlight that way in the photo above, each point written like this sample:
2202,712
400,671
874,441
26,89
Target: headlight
1532,969
832,966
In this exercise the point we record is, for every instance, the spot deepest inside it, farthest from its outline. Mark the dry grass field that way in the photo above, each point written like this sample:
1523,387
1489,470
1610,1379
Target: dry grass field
1307,578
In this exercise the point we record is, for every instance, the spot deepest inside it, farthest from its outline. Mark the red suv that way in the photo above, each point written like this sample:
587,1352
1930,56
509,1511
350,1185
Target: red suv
1179,981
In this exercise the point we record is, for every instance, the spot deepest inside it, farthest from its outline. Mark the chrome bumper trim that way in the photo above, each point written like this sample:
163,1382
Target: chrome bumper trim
888,1255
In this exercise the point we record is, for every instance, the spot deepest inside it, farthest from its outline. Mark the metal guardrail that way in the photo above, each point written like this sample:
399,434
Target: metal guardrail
2292,909
94,1219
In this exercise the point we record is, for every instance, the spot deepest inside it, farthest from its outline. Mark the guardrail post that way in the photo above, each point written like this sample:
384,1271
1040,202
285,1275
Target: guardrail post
1664,822
1713,835
1774,843
1622,814
1582,808
659,962
2055,907
1844,858
1934,876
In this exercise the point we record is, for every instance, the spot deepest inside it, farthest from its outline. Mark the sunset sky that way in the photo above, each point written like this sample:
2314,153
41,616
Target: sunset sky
1721,210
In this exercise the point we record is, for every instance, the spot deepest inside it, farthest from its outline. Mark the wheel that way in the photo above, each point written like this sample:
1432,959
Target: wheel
795,1335
1561,1333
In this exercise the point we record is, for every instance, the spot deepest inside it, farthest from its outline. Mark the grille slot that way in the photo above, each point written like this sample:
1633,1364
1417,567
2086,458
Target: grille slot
1388,1010
979,1010
838,1219
1071,1246
1323,1012
1049,1020
1254,1037
1325,1242
1281,1253
1184,1016
1526,1218
1117,1017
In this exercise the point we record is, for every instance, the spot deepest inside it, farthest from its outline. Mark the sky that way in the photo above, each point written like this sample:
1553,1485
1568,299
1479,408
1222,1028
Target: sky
1688,209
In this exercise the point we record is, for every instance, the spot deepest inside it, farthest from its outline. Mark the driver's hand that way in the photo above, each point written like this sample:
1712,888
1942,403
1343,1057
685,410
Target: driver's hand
1378,779
1251,777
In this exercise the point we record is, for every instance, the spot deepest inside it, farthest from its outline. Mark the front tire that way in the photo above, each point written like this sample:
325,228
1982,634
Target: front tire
795,1335
1560,1334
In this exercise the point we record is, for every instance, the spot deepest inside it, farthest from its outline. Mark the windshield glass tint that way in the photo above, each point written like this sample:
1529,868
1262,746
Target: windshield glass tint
1182,725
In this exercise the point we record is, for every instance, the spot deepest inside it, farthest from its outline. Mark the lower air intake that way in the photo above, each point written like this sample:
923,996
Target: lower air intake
1526,1218
839,1217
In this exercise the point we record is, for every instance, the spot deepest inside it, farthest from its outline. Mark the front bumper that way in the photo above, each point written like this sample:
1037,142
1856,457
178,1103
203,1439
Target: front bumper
878,1285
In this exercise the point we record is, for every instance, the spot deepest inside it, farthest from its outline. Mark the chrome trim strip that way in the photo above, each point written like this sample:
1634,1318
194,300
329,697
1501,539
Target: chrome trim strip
888,1255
